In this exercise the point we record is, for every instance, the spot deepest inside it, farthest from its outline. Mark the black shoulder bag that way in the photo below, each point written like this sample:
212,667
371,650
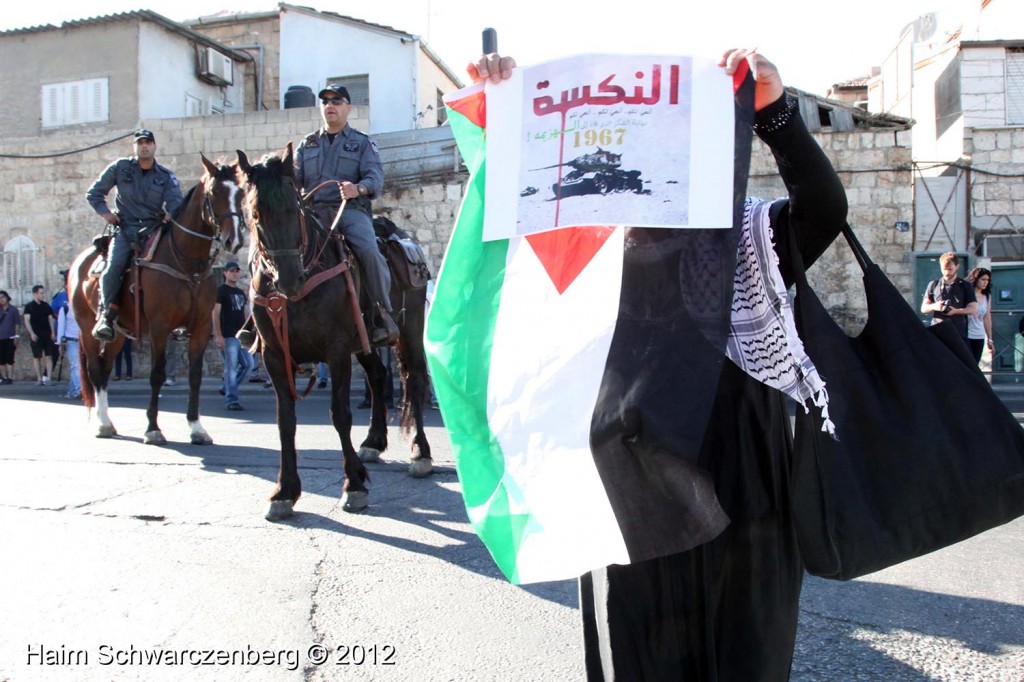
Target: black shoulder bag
925,455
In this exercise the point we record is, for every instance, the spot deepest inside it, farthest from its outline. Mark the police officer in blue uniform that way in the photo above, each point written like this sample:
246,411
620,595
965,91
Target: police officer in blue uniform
147,194
338,152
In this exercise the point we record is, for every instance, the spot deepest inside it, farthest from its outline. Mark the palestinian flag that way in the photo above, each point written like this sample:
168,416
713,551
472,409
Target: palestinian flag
575,370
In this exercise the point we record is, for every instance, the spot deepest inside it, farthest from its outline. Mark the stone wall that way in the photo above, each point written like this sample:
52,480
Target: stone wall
997,179
879,195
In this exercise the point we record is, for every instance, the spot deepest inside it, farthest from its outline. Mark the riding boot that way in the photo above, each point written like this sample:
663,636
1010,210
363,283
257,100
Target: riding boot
384,331
104,329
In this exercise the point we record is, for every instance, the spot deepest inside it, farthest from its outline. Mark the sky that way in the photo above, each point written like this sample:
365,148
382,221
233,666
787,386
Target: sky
814,44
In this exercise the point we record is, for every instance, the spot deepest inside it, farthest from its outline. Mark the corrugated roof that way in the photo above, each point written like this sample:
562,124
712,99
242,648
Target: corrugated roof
861,82
143,15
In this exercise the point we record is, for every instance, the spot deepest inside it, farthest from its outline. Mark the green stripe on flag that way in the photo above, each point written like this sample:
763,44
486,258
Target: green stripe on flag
459,338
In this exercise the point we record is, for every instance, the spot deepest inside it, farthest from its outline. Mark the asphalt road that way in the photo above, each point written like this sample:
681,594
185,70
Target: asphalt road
115,552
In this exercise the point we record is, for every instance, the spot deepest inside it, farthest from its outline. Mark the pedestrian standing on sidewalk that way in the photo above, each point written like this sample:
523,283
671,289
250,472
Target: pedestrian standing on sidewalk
175,347
229,313
950,298
68,333
979,325
10,326
40,320
125,356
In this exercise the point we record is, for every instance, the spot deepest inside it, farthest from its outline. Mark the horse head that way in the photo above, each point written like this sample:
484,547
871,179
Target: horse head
275,210
222,203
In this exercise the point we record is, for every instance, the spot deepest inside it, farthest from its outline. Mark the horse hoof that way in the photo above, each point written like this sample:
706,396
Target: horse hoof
368,455
355,501
154,438
422,467
280,510
106,431
201,439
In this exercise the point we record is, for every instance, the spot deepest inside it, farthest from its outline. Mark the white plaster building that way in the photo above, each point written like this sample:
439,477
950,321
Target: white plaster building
394,74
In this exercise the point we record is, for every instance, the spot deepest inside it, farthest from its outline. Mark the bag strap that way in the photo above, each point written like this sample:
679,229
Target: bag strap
797,261
863,259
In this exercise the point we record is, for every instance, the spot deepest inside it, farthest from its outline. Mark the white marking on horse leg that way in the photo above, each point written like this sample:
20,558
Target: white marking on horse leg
420,468
106,428
368,455
280,509
236,238
197,434
354,501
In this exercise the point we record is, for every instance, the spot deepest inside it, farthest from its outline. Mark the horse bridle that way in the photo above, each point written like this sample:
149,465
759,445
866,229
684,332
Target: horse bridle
266,256
213,221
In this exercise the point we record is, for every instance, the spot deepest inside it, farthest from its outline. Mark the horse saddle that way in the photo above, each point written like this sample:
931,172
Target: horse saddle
405,258
145,250
407,261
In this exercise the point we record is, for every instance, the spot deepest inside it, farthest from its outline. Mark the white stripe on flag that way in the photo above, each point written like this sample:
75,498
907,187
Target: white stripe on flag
547,364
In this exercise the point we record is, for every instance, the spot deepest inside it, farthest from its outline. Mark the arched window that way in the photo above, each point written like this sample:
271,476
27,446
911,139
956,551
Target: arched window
19,269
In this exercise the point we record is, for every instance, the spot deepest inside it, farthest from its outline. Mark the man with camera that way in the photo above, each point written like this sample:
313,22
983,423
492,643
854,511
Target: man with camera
950,298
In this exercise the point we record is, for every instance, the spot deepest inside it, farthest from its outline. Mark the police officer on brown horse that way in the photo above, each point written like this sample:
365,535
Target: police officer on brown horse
147,194
340,153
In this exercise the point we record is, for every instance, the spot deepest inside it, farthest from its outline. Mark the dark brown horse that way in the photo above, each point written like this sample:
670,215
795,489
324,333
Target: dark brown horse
303,311
178,290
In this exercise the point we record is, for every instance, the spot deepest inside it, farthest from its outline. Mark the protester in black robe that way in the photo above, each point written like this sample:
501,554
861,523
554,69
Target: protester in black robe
727,609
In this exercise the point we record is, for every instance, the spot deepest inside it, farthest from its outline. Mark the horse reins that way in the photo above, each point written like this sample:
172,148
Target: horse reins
276,303
210,219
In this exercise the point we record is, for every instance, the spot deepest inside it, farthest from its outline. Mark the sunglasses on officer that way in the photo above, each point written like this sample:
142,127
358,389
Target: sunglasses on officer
333,100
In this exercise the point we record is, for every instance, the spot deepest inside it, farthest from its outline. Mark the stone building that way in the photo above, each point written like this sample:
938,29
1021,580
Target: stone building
960,78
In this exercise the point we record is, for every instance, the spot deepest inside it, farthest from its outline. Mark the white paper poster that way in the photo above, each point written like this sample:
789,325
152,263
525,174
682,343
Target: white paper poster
610,140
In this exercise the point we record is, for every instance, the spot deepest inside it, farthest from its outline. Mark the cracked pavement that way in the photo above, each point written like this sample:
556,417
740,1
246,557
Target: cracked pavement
113,548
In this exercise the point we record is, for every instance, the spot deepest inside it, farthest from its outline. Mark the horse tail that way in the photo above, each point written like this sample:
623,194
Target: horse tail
412,364
406,421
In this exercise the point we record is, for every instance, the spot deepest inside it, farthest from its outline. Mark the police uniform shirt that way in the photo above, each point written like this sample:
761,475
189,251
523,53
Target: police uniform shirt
352,157
141,195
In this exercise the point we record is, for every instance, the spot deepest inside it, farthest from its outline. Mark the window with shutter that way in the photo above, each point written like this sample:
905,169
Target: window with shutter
442,112
1015,86
19,274
358,88
73,102
193,106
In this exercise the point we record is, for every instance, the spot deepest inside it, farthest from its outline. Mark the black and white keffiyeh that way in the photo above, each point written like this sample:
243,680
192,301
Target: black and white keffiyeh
763,340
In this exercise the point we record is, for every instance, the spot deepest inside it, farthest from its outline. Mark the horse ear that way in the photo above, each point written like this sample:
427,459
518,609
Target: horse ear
243,162
208,165
286,158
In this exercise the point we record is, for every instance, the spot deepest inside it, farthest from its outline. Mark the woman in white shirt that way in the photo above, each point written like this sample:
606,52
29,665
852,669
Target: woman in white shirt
979,325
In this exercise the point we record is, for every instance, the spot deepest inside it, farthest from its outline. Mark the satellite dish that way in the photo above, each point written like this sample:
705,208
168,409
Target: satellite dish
922,28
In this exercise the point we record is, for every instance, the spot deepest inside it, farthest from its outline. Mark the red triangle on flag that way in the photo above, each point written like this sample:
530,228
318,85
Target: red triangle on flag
473,106
565,253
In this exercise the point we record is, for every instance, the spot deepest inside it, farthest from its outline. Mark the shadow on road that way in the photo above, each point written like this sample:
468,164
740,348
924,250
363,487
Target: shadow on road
881,630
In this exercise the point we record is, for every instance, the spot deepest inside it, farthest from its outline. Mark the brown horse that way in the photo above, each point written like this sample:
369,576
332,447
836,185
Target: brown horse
303,311
178,290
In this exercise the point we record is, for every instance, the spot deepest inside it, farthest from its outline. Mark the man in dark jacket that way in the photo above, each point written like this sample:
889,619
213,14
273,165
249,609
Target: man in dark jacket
340,153
147,194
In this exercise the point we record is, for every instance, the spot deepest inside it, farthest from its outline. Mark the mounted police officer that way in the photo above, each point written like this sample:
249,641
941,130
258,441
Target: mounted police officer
147,195
338,152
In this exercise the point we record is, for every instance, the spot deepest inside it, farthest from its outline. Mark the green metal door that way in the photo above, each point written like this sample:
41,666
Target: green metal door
1007,313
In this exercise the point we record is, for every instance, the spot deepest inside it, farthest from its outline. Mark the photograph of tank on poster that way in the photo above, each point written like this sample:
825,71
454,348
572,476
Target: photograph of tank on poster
609,140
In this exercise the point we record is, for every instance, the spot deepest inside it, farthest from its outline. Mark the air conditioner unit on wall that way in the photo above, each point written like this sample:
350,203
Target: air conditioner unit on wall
216,68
